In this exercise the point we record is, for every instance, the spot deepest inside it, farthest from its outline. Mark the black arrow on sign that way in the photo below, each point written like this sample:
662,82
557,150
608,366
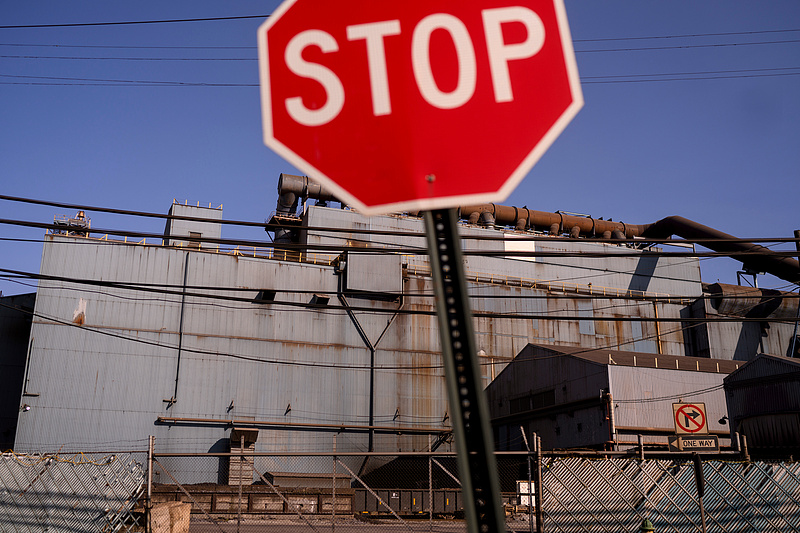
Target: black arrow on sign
694,415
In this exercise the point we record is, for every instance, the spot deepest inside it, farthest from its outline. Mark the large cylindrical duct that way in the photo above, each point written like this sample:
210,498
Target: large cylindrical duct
752,302
753,256
291,189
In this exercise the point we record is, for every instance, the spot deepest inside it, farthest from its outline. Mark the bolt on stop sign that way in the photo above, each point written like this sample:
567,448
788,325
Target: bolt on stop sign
417,104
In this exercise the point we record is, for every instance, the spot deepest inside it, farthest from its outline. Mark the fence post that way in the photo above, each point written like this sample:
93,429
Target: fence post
745,452
539,514
430,486
701,487
241,479
149,504
333,488
530,481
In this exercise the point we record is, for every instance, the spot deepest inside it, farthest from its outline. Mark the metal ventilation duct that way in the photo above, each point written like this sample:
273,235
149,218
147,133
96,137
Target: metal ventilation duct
737,300
753,256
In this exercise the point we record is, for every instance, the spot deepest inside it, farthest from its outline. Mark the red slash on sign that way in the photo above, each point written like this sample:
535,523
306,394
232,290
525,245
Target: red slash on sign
690,418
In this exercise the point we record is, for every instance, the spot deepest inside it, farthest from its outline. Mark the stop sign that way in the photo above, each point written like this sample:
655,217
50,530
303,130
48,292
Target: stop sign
416,104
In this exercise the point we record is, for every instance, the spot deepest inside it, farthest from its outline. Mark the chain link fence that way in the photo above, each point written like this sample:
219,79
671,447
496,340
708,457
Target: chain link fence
421,492
71,493
348,492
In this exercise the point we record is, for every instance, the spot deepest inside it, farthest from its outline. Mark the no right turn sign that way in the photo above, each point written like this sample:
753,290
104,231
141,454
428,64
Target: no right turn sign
690,418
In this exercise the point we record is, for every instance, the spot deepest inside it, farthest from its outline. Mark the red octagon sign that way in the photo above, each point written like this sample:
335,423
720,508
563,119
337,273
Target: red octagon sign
416,104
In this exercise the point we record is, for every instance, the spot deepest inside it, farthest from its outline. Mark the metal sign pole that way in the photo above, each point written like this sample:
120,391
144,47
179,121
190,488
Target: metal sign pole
469,413
700,481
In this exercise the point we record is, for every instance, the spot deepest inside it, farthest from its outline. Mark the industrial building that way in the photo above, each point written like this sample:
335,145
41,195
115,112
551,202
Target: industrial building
331,334
763,400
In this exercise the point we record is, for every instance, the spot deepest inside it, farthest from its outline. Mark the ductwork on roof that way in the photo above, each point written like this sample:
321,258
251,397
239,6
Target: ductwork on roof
522,218
290,190
752,302
754,257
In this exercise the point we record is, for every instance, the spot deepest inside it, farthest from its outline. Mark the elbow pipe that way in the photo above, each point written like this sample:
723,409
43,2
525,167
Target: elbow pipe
303,187
290,190
754,257
487,219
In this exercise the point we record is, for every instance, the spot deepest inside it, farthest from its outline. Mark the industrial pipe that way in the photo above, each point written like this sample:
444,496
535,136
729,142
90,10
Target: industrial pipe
753,257
305,187
291,189
553,222
752,302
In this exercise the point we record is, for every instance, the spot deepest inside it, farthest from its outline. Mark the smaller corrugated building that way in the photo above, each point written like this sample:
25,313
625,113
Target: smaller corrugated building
763,398
578,398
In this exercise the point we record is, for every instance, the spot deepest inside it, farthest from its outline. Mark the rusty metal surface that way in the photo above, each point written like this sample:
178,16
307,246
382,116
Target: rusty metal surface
105,382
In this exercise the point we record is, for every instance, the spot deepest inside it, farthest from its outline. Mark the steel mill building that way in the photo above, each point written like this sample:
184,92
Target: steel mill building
586,332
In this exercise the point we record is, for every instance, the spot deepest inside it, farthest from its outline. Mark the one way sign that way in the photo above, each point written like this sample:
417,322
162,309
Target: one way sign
690,418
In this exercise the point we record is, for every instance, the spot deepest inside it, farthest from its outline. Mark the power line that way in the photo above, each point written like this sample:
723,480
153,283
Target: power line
128,22
125,47
103,58
379,311
686,35
686,46
147,83
336,249
630,49
398,233
265,16
730,77
620,78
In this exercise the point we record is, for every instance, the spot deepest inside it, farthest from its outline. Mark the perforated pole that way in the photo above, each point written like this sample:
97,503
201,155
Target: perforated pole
469,412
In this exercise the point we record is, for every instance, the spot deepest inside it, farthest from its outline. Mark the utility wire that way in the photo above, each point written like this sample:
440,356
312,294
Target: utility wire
411,251
687,46
399,233
545,316
630,49
128,22
622,78
686,35
598,40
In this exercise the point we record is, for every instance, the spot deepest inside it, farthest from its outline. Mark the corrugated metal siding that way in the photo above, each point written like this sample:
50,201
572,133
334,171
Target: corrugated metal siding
570,380
763,399
99,390
644,396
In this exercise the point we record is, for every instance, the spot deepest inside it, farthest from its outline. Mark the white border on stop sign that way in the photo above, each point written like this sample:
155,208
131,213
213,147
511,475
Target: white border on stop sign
419,204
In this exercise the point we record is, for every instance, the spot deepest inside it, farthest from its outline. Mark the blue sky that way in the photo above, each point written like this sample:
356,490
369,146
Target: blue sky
724,151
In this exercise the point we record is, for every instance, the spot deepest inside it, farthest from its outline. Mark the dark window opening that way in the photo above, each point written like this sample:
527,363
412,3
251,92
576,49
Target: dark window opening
533,401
